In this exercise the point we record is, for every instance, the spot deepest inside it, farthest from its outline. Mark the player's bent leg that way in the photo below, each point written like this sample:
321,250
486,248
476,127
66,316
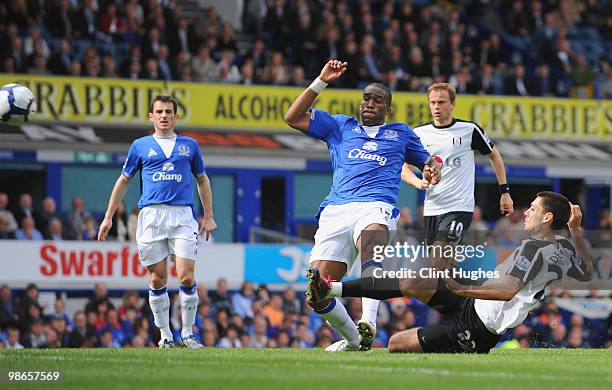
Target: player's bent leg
160,302
334,311
189,301
406,341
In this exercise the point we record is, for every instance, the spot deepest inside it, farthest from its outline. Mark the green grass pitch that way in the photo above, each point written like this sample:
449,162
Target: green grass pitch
315,369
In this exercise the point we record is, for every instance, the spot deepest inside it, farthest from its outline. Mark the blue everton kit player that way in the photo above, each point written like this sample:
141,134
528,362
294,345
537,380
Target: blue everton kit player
166,225
367,155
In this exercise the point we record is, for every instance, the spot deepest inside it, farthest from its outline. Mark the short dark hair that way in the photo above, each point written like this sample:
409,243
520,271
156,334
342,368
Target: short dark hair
385,89
164,99
558,205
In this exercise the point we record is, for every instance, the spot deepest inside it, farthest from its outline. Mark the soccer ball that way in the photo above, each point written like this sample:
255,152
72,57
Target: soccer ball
16,104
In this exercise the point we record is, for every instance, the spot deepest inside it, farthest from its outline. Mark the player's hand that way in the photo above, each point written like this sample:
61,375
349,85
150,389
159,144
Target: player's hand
105,226
333,70
431,175
506,205
207,227
575,218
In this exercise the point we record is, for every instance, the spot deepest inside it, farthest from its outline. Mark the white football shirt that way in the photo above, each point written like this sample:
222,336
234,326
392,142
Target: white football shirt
455,145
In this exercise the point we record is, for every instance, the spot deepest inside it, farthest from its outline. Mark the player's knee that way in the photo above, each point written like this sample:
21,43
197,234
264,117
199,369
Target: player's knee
395,344
186,280
158,281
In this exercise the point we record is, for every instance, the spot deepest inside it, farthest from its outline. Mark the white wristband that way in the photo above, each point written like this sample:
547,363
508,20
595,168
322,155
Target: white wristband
317,85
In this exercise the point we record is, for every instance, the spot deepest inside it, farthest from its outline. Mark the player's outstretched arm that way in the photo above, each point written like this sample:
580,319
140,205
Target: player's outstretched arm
205,193
119,191
297,115
579,243
502,290
410,178
506,205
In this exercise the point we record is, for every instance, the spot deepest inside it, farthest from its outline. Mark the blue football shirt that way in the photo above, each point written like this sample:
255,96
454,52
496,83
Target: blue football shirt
165,180
366,169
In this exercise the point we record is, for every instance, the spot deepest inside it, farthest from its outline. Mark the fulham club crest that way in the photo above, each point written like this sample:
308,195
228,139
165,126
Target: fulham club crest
457,142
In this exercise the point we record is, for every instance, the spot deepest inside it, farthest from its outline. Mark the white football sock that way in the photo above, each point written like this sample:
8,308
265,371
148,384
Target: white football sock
336,289
189,308
369,306
369,309
160,306
335,313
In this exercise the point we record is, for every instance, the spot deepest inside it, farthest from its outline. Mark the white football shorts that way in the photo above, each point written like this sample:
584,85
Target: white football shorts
166,230
340,227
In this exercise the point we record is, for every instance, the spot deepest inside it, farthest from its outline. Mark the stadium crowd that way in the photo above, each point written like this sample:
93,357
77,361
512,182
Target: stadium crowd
533,48
24,221
248,318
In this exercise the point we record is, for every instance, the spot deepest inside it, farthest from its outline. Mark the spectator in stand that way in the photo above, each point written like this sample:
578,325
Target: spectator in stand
274,311
247,73
4,211
35,336
100,295
49,212
582,78
90,231
204,67
25,209
58,333
77,216
231,339
13,337
85,21
28,230
152,44
107,340
59,311
5,232
8,309
291,304
119,230
120,333
242,301
543,83
517,85
517,20
276,72
109,67
60,22
130,301
113,24
484,83
35,44
220,299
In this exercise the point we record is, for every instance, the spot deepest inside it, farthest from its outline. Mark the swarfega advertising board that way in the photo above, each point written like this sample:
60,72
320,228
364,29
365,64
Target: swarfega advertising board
75,264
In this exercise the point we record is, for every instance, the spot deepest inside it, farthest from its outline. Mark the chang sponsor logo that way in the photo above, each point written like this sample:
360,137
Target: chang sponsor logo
165,176
363,154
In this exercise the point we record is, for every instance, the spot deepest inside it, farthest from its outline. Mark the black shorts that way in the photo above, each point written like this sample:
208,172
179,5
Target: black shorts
462,330
449,227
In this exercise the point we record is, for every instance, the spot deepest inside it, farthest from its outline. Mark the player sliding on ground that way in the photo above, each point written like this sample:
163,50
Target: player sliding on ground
367,155
479,315
166,224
